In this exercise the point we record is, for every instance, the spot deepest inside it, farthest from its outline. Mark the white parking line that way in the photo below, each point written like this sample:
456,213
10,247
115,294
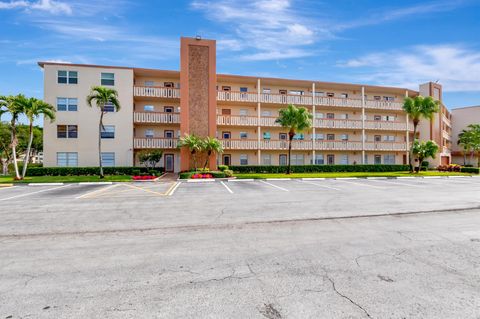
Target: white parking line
281,188
228,188
398,183
7,187
360,184
97,191
32,193
174,189
320,185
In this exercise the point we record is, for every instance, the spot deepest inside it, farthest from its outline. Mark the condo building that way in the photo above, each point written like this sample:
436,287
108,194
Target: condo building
352,123
462,117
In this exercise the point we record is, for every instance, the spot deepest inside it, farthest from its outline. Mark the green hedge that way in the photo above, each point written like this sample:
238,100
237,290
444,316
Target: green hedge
215,174
320,168
472,170
84,171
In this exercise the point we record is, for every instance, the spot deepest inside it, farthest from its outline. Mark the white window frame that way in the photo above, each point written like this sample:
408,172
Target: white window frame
68,102
243,159
108,129
71,159
105,76
108,155
148,108
147,131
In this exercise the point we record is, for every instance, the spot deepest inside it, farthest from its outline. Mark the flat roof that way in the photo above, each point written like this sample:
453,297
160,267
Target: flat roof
247,79
464,107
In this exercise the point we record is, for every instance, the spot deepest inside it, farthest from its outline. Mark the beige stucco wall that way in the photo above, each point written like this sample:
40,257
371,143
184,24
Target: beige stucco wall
87,118
461,118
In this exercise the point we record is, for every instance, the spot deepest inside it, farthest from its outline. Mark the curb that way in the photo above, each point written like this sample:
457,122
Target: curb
95,183
242,180
313,178
46,184
201,180
6,185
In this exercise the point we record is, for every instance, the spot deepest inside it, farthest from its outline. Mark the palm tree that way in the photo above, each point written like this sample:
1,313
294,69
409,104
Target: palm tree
3,106
419,108
475,132
212,146
465,139
33,108
194,145
12,105
424,150
102,96
296,120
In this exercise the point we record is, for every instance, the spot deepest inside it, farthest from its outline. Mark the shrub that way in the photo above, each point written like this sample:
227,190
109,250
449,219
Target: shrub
222,168
449,168
152,172
195,174
228,173
84,171
320,168
472,170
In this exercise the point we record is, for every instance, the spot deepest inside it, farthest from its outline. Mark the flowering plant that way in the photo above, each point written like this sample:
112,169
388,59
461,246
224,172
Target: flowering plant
200,175
449,168
143,177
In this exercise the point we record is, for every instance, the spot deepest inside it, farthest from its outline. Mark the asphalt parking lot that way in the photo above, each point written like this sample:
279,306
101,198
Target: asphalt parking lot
349,248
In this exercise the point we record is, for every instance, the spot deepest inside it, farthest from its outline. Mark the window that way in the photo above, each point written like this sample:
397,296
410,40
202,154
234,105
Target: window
149,133
365,159
344,137
108,159
168,84
148,108
283,92
168,109
267,113
330,116
377,138
390,118
67,77
319,159
282,136
330,159
149,83
108,79
377,159
319,115
319,93
243,159
330,137
296,92
226,88
331,94
344,95
377,98
243,135
282,159
388,159
243,112
226,135
66,104
266,91
377,118
344,159
297,159
108,131
243,90
389,98
226,111
344,116
299,136
266,135
67,159
389,138
109,107
319,136
67,131
168,134
266,159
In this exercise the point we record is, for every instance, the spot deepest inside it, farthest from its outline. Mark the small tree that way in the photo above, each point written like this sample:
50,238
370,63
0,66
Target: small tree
15,109
150,158
296,120
5,150
425,150
466,141
211,146
419,108
475,140
194,145
102,96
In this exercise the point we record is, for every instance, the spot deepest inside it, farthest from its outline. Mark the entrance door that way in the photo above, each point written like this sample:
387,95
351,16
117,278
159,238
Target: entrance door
226,159
282,159
169,163
330,159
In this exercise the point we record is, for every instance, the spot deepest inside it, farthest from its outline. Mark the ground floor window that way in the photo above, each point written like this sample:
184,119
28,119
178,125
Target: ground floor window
266,159
108,159
319,159
389,159
377,159
67,159
282,159
297,159
243,159
330,159
344,159
365,159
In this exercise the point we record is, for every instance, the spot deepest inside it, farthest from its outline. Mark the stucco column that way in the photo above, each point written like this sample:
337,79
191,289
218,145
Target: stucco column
363,125
408,134
259,129
314,131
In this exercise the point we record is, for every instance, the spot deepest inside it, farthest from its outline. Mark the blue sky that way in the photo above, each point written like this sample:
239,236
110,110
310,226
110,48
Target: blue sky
401,43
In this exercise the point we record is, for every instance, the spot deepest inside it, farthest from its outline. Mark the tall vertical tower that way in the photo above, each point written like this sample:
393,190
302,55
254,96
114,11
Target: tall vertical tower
198,101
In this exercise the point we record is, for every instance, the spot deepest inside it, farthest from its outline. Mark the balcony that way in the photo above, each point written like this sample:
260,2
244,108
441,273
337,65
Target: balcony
338,124
156,92
387,125
144,143
237,120
385,146
156,117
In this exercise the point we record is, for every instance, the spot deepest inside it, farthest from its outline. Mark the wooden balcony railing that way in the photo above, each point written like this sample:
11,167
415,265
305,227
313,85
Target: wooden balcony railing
156,117
143,143
155,91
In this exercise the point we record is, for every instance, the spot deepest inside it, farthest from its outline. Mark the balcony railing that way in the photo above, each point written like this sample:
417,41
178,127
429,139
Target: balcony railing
385,146
142,143
156,117
387,125
383,105
337,123
239,120
154,91
237,96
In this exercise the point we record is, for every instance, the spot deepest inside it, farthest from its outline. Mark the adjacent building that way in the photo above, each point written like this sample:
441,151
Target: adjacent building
461,118
352,123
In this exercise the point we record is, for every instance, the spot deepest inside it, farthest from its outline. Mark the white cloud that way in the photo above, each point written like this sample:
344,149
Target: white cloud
51,6
455,66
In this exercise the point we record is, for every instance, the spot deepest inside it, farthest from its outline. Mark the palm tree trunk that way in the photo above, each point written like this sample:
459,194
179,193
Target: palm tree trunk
290,138
194,157
207,160
4,167
464,157
27,154
14,149
411,147
100,125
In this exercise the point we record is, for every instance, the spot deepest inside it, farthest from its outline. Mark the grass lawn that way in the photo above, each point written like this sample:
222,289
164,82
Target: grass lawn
339,175
67,179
